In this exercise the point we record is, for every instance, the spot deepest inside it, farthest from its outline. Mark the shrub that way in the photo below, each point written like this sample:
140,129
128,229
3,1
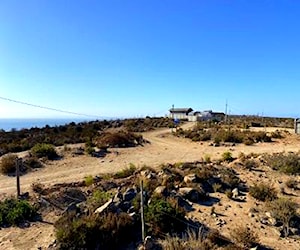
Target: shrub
228,178
89,180
162,217
227,156
32,162
98,198
108,231
13,212
216,187
244,237
44,150
229,193
263,192
283,210
125,172
207,158
8,164
250,164
38,187
286,163
119,139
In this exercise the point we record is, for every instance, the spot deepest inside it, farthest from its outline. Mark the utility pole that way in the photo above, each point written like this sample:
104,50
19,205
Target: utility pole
226,106
142,212
172,116
18,162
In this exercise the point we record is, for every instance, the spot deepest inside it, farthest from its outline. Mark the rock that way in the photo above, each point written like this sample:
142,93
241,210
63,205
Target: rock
235,193
129,194
189,193
148,174
124,206
161,190
191,178
72,208
183,203
110,205
268,214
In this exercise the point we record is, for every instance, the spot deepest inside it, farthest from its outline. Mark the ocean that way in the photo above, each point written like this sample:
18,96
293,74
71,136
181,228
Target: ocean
20,123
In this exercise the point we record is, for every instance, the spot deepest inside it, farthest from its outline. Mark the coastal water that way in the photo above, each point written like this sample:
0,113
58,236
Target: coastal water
17,124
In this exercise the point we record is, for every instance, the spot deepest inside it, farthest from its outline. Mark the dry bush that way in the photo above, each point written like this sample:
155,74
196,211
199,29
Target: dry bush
286,163
126,172
250,164
119,139
263,192
283,210
109,231
8,164
244,237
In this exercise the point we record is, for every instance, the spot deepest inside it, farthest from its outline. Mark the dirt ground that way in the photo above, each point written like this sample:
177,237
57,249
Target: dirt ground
162,148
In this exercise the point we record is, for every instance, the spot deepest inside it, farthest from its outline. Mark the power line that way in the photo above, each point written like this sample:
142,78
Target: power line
47,108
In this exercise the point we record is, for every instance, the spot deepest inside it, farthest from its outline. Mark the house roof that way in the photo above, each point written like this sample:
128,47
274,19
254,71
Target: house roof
181,110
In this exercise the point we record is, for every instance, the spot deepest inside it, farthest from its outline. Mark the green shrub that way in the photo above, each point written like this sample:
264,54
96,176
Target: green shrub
227,156
88,180
263,192
98,198
125,172
8,164
44,150
108,231
163,218
13,212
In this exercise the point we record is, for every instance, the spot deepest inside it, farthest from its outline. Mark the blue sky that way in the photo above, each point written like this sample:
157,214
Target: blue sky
138,57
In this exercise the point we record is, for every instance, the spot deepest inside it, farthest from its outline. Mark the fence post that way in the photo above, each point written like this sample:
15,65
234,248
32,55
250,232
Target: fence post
18,162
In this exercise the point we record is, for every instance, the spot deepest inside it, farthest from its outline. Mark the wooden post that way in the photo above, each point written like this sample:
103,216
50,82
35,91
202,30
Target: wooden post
142,212
18,162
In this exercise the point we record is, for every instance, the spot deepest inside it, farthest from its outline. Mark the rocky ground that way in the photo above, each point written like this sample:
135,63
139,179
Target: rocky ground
214,209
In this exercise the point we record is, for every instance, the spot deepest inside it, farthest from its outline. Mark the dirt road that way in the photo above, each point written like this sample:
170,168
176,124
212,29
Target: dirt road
163,148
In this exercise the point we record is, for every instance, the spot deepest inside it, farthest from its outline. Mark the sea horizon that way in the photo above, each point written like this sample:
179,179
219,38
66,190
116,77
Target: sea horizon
9,124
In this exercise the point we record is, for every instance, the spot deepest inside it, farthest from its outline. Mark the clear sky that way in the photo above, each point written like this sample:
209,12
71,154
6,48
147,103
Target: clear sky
138,57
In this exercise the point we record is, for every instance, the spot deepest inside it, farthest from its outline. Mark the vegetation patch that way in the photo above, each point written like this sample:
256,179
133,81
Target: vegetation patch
108,231
125,172
14,212
41,150
285,163
8,164
263,192
119,139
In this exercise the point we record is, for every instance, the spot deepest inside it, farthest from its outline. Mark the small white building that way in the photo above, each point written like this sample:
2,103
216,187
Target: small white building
180,113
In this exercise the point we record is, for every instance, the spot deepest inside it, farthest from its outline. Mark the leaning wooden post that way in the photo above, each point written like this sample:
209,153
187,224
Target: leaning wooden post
18,161
142,212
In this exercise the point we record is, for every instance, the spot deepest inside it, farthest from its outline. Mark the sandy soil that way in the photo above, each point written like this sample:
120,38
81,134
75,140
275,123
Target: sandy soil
163,148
